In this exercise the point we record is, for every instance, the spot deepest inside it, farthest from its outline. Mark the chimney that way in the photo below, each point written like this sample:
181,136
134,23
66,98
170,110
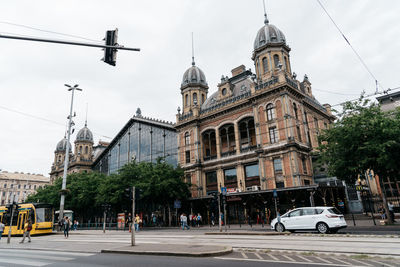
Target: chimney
236,71
328,108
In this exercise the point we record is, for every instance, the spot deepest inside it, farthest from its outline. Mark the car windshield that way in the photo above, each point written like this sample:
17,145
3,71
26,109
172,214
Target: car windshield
334,211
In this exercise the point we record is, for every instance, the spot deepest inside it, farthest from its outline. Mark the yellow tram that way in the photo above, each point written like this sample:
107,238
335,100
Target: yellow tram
40,215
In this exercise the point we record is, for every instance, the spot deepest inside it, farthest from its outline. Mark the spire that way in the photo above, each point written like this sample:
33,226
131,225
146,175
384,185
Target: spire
266,21
192,51
86,114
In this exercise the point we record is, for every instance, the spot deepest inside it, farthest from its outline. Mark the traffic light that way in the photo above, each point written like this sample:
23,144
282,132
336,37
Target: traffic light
128,193
110,54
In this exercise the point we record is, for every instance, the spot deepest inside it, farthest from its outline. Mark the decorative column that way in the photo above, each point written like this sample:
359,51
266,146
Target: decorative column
218,143
237,138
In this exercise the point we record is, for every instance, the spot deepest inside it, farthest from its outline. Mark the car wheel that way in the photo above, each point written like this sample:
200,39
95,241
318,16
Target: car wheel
322,228
279,227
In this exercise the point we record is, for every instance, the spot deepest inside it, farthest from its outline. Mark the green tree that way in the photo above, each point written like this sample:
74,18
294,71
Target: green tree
160,184
363,138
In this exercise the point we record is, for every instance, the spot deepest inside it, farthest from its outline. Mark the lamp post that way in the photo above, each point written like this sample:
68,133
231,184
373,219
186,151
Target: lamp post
66,161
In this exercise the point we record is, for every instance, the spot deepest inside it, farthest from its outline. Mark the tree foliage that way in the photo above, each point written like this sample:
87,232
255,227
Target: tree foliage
363,138
160,184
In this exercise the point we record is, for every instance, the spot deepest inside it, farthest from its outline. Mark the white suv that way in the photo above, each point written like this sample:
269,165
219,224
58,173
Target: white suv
323,219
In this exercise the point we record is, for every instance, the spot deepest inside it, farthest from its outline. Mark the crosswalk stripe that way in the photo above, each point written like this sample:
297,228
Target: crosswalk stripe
287,257
339,260
324,260
244,255
23,262
35,251
304,259
273,257
258,256
382,263
41,257
362,262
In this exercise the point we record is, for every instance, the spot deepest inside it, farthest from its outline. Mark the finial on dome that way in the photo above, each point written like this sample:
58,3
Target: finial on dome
193,51
86,114
138,112
266,21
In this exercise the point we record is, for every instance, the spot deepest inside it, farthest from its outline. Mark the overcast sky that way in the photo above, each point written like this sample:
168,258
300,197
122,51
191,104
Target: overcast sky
32,75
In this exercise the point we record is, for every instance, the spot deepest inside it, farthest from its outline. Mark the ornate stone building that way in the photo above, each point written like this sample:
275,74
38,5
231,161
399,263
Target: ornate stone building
256,132
82,158
18,186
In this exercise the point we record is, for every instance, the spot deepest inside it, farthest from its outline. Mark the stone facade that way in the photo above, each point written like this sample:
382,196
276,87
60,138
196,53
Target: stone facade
257,131
19,185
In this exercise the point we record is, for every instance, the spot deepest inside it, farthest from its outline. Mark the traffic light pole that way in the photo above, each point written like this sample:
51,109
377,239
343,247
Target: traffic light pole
133,218
67,42
225,216
219,212
9,229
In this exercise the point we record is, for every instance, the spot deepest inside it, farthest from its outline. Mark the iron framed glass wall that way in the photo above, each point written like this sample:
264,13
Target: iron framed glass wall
140,141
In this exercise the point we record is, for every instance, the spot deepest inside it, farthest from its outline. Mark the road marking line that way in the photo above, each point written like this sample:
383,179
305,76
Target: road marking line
287,257
40,257
37,251
382,263
258,256
324,260
291,262
303,258
339,260
273,257
24,262
362,262
244,255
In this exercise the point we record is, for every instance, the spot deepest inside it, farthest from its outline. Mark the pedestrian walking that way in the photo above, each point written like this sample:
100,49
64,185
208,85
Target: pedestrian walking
198,220
67,226
1,229
137,222
27,231
184,222
212,219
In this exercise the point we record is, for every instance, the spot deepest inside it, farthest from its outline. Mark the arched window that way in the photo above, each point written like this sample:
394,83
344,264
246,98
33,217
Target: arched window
276,61
265,64
86,150
295,111
186,100
202,98
80,149
195,98
187,139
270,112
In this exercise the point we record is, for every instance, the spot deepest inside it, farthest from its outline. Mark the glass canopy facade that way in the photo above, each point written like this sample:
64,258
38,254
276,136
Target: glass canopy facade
141,139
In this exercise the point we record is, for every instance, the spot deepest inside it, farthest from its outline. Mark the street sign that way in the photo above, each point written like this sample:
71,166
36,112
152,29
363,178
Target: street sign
274,193
177,204
223,190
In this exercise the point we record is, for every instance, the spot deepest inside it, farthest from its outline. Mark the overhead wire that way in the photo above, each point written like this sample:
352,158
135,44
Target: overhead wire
348,42
47,31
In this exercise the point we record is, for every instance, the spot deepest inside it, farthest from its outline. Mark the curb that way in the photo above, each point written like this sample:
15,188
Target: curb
224,251
247,233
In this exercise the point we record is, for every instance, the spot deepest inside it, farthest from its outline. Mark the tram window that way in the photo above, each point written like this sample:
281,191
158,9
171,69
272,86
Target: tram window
32,216
40,215
15,219
48,215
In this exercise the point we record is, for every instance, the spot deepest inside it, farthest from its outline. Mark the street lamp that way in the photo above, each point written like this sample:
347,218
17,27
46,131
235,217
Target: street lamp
66,161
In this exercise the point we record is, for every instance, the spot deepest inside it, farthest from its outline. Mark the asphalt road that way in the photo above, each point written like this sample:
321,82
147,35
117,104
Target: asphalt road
18,257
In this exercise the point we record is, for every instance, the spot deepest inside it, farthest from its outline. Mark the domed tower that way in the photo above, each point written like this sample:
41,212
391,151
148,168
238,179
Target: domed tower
271,54
194,87
84,145
59,153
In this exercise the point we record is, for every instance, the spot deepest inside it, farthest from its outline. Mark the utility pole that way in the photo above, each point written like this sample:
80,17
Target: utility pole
66,161
219,212
133,218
